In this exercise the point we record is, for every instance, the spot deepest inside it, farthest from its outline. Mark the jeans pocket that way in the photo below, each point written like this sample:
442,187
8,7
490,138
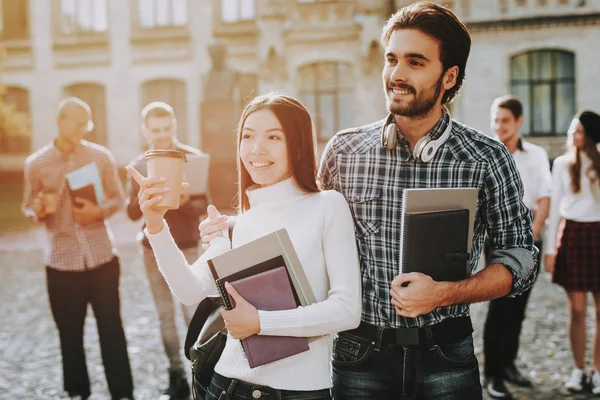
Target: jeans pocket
213,392
349,350
460,352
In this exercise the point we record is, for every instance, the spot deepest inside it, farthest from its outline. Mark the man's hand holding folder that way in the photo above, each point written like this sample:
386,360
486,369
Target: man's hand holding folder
243,320
86,212
415,294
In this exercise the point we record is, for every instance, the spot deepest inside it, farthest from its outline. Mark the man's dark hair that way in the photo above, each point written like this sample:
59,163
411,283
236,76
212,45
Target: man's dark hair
511,103
441,24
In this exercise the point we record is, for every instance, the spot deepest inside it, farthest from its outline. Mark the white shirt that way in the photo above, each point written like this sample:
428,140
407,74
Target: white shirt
534,168
322,230
582,207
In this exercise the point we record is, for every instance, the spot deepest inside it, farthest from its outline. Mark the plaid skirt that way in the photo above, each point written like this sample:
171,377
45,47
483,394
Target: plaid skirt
578,257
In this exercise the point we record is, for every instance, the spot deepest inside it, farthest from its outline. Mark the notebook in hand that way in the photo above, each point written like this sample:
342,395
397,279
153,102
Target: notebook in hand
265,248
275,262
435,244
86,192
431,239
268,291
86,182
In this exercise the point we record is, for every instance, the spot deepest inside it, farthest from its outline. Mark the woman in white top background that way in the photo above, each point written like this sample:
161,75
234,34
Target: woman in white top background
573,238
277,189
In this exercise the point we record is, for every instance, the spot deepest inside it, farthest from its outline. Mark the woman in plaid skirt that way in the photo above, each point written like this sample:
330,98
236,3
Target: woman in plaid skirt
573,238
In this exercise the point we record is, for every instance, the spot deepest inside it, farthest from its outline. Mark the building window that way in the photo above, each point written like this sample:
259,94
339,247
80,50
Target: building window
83,16
465,8
503,6
326,90
95,95
544,80
162,13
15,19
15,129
172,92
237,10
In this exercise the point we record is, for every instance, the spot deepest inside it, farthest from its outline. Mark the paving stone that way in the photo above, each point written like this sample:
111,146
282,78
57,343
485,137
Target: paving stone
30,364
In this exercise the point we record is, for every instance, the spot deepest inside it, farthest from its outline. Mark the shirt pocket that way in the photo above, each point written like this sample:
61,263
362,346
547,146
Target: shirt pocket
364,204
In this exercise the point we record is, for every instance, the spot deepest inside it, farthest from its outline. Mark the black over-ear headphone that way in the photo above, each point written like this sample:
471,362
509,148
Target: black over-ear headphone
425,148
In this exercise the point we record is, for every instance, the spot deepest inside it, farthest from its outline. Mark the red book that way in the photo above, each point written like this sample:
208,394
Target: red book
267,291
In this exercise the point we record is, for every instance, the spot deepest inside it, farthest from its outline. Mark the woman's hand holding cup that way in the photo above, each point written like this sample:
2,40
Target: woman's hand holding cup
151,192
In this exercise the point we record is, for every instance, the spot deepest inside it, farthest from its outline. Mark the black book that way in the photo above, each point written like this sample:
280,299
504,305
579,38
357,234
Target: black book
87,192
436,244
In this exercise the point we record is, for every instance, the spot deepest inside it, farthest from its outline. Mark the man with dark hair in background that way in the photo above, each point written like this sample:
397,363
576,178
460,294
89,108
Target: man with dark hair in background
505,315
159,127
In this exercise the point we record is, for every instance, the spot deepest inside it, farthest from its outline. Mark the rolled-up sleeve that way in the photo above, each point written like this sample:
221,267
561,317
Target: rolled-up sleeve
508,222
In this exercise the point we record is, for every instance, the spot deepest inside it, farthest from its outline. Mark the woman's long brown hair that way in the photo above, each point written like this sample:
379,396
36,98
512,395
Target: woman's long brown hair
591,150
300,138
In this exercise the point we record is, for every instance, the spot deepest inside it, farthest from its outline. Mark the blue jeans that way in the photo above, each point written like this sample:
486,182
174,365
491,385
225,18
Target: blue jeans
365,369
222,388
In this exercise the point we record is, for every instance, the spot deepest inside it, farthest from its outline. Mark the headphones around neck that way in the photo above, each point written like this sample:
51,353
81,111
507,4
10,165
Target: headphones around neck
425,148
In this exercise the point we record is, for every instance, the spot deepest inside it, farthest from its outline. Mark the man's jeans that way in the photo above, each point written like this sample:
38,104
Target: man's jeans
425,371
163,298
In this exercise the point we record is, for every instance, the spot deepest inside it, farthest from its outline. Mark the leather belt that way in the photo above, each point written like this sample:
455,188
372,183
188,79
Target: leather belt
448,331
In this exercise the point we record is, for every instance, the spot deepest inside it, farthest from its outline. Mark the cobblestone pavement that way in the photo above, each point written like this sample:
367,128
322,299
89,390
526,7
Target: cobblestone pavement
30,364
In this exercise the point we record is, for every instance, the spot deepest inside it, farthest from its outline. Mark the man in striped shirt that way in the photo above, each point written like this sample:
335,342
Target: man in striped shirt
82,266
415,338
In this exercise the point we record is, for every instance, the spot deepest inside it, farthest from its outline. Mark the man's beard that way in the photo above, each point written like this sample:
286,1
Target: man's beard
422,104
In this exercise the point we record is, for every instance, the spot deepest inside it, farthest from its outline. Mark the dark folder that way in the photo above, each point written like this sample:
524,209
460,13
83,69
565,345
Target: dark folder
87,192
436,243
270,290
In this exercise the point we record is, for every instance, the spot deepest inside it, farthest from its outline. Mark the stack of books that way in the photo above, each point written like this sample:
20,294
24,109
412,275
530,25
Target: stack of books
267,273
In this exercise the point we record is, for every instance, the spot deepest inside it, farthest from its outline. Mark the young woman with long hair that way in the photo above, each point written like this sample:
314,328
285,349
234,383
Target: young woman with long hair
573,238
277,189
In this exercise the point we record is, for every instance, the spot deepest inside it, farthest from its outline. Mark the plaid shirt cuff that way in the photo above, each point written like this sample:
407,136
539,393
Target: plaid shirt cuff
522,265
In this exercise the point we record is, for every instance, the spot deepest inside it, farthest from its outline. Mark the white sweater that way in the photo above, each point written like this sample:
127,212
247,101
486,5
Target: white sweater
582,207
321,228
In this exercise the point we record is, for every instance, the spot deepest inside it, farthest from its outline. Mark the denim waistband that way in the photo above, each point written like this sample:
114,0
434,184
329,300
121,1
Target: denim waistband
445,332
229,386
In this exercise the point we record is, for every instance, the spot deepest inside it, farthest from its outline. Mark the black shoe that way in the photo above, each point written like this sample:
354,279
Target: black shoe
497,389
511,374
178,386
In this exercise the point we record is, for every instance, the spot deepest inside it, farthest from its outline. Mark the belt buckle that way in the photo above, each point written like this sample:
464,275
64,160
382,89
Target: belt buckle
407,336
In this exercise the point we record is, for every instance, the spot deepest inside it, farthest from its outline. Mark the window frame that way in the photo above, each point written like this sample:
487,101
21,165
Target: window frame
317,93
76,29
553,82
156,25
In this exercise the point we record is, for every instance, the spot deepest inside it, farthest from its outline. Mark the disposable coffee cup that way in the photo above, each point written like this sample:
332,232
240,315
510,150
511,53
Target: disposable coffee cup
51,202
168,164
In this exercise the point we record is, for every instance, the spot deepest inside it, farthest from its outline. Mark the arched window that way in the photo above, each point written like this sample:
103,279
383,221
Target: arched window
172,92
544,81
326,89
15,134
95,95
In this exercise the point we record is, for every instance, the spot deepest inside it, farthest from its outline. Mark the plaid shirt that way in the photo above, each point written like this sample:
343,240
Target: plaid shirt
372,179
70,246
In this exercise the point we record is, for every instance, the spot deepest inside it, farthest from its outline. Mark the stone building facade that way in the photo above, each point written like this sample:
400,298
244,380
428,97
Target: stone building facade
119,55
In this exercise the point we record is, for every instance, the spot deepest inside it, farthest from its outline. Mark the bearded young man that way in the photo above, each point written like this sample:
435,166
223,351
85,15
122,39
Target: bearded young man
426,51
